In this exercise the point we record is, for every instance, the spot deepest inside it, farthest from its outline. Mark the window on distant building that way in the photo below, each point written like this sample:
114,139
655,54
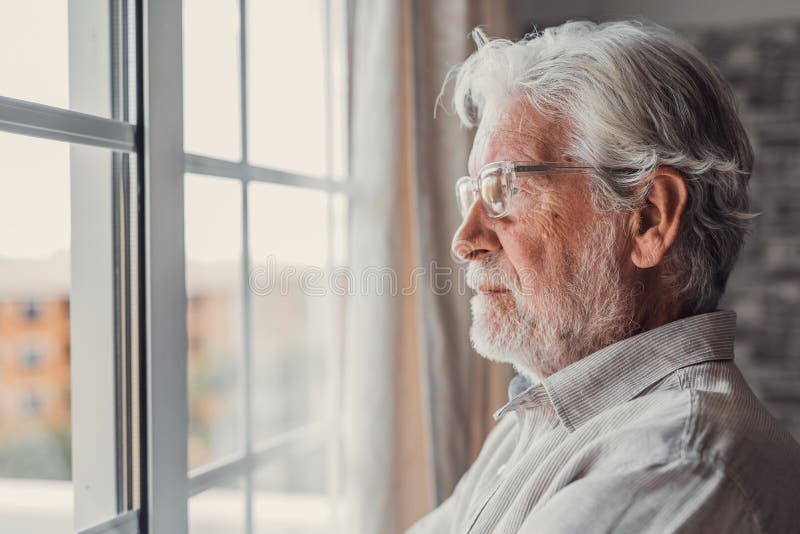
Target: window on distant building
31,404
31,356
30,310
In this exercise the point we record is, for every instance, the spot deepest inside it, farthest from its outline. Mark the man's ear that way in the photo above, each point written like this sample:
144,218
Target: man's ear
657,223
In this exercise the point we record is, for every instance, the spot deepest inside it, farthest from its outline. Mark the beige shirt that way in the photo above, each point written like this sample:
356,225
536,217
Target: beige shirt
656,433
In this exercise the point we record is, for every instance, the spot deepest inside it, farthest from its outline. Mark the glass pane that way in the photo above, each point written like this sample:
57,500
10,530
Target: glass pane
292,496
214,288
38,67
211,78
36,491
58,53
287,87
35,447
59,338
218,510
289,239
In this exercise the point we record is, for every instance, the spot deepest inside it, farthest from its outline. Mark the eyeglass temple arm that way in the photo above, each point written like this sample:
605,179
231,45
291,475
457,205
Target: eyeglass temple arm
536,168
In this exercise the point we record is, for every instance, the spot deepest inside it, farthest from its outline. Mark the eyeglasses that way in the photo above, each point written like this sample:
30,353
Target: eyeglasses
497,184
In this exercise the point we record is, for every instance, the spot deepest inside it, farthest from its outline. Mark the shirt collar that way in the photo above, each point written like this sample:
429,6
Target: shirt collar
622,370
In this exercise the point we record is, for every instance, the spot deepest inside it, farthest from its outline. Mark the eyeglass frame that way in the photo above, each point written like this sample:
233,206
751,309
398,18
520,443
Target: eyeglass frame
511,169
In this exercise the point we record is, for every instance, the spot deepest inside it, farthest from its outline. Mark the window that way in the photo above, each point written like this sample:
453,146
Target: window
30,310
32,357
31,404
170,349
265,139
68,281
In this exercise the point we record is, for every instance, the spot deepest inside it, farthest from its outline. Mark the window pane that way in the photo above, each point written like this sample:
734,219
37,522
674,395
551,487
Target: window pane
218,510
289,236
58,53
38,68
292,495
35,448
211,78
214,286
58,334
287,85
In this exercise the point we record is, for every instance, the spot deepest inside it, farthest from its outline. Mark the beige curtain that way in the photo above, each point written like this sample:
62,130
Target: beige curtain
418,401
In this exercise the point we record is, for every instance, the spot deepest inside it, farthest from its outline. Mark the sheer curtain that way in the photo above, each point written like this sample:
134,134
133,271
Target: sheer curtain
417,400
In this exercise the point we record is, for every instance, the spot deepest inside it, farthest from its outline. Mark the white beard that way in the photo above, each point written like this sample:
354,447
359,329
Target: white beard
558,322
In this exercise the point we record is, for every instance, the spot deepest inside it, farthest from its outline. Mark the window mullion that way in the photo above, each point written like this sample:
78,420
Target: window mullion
165,287
246,307
243,77
198,164
293,443
38,120
216,474
332,357
93,317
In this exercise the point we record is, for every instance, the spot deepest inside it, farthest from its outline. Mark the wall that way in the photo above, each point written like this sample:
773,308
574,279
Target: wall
672,13
762,62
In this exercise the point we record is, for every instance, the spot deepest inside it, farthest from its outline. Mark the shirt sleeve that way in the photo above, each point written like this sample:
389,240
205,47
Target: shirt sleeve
683,496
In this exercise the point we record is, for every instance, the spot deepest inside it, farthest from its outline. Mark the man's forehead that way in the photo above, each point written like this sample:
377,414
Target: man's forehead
517,132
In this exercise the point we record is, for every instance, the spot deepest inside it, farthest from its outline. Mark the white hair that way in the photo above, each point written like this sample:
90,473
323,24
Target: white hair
633,96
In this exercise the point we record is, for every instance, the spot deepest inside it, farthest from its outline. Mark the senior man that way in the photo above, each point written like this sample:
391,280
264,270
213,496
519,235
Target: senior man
605,207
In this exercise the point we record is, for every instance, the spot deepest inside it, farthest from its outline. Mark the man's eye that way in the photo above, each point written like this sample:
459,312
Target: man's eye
514,191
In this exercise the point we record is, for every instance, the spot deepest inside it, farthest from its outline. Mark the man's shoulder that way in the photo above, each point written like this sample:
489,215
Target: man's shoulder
705,419
727,421
730,427
704,411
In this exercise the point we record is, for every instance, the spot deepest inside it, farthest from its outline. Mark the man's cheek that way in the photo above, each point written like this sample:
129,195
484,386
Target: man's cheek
531,256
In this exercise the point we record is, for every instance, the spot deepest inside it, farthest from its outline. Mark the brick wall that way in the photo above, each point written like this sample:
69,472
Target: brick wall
762,62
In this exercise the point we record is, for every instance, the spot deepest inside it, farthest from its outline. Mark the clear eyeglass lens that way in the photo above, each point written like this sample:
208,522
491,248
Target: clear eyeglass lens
495,191
467,195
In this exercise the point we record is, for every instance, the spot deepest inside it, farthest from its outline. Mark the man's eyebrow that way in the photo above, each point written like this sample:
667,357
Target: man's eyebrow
533,148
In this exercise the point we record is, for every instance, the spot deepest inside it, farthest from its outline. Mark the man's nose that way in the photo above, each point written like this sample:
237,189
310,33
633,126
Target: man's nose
475,238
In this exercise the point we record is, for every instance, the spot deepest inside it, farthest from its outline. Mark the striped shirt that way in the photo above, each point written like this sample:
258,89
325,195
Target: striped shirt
655,433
